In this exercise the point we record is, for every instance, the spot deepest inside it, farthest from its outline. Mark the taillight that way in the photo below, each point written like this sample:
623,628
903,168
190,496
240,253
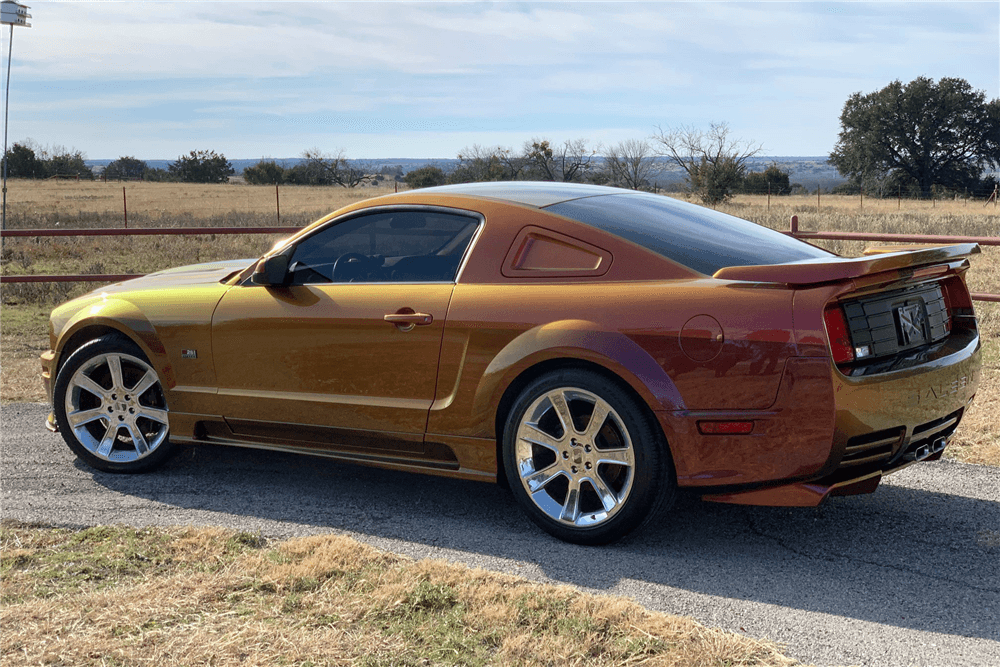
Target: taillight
840,340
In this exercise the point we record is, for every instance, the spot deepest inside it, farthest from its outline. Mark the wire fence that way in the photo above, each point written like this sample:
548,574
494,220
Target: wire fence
885,199
195,231
95,203
34,204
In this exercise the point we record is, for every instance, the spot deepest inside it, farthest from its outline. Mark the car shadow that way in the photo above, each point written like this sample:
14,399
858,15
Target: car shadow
900,557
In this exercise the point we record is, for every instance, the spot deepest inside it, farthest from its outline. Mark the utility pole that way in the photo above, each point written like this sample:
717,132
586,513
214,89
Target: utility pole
12,14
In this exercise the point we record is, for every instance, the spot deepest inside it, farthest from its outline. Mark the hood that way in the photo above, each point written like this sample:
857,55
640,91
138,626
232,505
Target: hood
194,274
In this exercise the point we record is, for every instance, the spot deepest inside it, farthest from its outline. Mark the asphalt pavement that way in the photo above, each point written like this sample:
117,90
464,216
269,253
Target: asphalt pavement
909,575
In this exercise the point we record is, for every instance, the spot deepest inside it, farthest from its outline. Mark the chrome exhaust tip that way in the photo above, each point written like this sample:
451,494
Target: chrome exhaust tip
922,453
939,445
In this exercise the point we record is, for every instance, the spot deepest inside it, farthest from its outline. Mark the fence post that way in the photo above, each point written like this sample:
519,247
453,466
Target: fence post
794,225
125,206
818,188
277,203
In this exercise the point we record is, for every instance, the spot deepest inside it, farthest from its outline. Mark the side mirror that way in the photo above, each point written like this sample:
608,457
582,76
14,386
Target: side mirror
271,271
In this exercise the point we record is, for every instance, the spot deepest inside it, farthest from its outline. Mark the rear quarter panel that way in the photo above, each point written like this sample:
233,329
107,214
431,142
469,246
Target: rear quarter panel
634,329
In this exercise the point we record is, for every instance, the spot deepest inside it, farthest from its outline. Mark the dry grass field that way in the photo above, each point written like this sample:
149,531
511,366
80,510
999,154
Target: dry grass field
120,596
87,203
34,204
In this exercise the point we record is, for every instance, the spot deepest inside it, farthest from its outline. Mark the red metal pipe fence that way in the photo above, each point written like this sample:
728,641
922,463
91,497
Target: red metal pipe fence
898,238
147,231
193,231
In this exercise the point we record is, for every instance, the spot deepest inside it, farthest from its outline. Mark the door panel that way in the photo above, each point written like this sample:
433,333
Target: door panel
324,355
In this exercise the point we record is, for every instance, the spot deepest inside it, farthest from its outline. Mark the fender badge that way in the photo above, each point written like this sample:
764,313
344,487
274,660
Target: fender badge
189,354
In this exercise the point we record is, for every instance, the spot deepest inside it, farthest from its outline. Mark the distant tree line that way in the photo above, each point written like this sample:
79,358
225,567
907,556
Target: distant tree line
922,138
715,164
27,160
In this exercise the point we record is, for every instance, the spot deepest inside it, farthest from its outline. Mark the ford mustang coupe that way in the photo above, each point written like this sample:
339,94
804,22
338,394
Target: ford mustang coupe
593,348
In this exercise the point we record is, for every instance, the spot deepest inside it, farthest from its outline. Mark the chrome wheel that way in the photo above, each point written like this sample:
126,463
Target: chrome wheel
115,408
575,457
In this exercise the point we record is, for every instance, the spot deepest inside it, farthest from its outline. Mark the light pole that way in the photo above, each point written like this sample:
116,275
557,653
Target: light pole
12,14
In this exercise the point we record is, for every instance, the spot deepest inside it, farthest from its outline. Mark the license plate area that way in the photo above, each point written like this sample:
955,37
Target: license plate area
911,324
884,325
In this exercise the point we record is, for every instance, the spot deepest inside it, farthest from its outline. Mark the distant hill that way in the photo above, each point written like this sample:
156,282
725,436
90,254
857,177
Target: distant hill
809,171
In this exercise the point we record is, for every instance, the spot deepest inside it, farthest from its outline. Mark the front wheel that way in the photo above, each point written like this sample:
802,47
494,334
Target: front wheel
583,459
110,407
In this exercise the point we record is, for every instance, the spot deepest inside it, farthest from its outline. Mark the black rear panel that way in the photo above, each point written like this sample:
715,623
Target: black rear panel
891,323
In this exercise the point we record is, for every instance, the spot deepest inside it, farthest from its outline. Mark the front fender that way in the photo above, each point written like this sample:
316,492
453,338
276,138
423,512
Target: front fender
583,340
125,318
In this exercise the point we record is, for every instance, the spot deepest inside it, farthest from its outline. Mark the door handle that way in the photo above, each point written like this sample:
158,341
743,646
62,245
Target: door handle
405,321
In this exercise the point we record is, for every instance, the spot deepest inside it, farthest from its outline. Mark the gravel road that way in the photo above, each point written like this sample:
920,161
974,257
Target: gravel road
907,576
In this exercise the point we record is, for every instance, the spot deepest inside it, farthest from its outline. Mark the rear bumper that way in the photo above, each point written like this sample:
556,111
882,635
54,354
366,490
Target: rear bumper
811,494
829,434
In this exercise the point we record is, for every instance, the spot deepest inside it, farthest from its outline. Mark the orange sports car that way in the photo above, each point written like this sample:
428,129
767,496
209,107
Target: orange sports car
593,348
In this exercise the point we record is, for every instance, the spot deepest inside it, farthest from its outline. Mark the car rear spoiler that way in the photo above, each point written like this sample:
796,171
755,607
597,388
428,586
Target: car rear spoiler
810,272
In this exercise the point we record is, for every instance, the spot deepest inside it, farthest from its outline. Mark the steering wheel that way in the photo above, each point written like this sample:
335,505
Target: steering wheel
352,266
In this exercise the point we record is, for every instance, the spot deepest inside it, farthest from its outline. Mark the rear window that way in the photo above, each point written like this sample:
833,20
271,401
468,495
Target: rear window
696,237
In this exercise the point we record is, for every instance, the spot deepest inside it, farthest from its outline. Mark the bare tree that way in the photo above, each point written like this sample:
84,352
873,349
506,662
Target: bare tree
630,163
512,164
480,163
353,173
319,168
571,161
714,161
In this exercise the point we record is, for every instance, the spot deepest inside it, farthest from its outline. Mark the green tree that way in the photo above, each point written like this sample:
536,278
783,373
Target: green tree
158,175
65,163
23,163
425,177
716,180
774,180
202,167
714,161
126,168
265,172
928,133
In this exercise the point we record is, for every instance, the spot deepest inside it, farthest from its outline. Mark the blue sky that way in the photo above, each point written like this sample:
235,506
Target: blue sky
405,79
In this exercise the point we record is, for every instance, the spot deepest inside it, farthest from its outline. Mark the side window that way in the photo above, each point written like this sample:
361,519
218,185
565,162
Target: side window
389,246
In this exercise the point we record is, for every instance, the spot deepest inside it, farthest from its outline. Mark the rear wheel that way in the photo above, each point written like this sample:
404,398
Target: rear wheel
110,407
583,459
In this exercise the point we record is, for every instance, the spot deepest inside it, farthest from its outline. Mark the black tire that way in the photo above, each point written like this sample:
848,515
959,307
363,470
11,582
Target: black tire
110,407
620,466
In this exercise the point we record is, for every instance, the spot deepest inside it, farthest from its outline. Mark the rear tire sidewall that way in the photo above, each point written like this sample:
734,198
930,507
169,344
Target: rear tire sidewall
653,483
103,345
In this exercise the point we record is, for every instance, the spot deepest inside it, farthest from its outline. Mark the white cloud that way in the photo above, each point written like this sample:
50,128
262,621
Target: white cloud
399,70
